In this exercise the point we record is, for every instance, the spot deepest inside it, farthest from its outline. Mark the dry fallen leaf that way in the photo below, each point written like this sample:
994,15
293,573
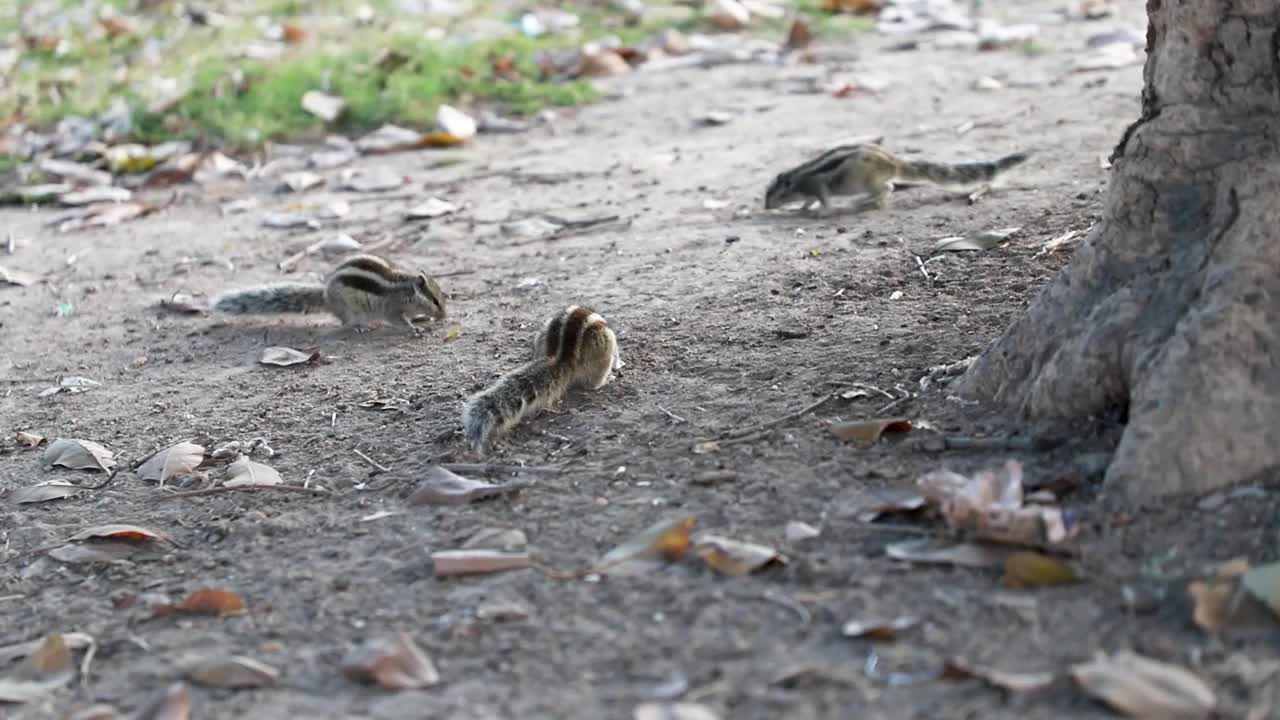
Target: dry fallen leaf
856,7
324,106
285,357
15,277
799,36
1144,688
44,671
371,180
396,664
231,671
104,214
97,711
79,455
1032,569
884,502
96,551
979,555
884,630
247,472
661,543
1263,583
985,240
120,531
389,138
206,602
733,557
476,561
29,440
301,180
957,669
184,304
443,487
17,651
173,461
869,431
44,491
433,208
497,538
990,505
94,195
172,704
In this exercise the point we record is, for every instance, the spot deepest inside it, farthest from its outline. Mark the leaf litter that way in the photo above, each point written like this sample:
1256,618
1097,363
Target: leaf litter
214,602
1140,687
287,357
244,472
658,545
870,431
174,461
444,487
46,669
734,557
230,671
393,663
476,561
958,669
79,455
44,492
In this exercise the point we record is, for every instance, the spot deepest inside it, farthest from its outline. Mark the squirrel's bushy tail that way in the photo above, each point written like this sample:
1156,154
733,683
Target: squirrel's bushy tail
279,298
966,173
515,396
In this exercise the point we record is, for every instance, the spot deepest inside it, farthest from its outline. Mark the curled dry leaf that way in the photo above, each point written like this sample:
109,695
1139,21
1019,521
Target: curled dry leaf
990,505
206,602
661,543
389,138
1032,569
979,242
105,214
43,492
797,531
184,304
1144,688
45,670
173,461
29,440
958,669
734,557
927,551
174,703
285,357
231,671
120,531
889,501
869,431
433,208
79,455
443,487
96,551
247,472
883,630
394,663
447,563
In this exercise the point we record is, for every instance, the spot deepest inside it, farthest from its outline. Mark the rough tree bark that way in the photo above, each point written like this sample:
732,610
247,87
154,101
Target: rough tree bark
1170,309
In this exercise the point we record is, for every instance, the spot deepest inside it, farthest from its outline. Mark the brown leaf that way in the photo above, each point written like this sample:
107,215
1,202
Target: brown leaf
119,531
476,561
979,555
29,440
442,487
1213,603
869,431
292,34
663,542
247,472
206,602
1141,687
173,461
855,7
1032,569
173,704
285,357
883,630
957,669
45,670
79,455
231,671
17,651
733,557
799,36
396,664
106,214
990,506
43,492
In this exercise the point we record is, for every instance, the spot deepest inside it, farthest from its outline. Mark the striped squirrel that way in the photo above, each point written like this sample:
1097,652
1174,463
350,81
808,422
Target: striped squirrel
869,170
576,347
360,290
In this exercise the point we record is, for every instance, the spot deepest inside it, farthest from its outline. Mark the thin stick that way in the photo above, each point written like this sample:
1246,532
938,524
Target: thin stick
11,597
672,415
25,381
861,386
486,468
739,434
371,461
923,271
455,273
894,404
234,488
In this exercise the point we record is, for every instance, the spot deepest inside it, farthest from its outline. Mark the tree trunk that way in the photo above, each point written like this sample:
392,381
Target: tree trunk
1170,310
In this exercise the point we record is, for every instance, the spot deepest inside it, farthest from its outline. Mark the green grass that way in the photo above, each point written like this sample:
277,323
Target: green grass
243,102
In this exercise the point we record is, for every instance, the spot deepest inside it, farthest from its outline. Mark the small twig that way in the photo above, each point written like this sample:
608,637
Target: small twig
741,434
234,488
805,616
371,461
11,597
486,468
672,415
894,404
920,264
455,273
26,381
860,386
86,662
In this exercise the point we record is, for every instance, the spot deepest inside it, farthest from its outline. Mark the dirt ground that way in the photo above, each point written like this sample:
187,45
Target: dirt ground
724,320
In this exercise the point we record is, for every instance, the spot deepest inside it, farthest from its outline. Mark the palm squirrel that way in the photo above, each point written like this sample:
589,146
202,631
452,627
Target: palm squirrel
360,290
576,347
870,170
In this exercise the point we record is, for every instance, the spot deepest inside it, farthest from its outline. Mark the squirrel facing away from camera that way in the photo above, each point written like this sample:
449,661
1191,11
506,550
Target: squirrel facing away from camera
869,170
575,348
360,290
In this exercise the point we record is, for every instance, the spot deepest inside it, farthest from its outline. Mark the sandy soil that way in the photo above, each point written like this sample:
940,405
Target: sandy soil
724,319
